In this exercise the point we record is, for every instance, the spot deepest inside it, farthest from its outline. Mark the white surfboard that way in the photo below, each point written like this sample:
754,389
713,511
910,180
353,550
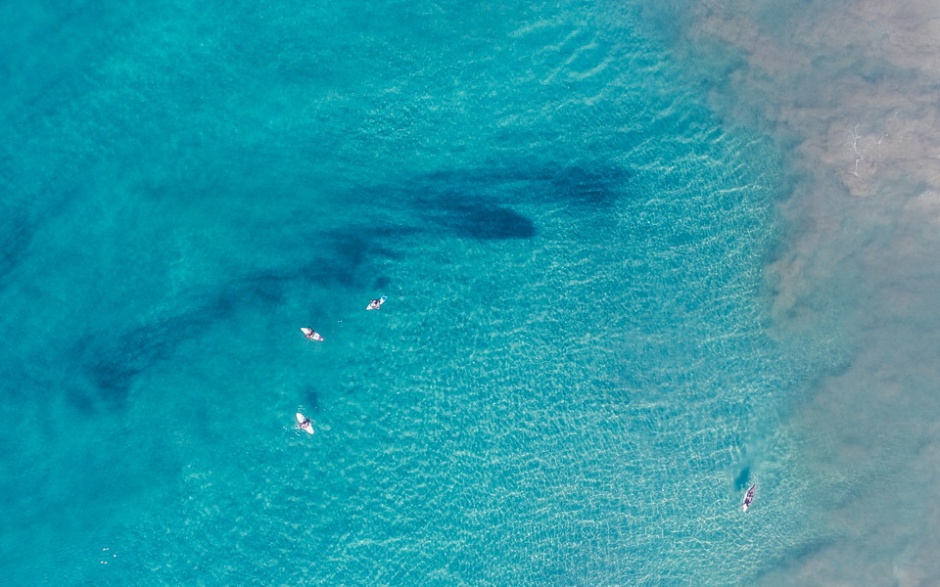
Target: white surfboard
304,423
748,498
311,334
376,303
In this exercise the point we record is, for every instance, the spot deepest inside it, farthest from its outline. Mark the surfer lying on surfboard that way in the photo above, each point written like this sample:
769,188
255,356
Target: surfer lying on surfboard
748,498
376,303
312,334
303,422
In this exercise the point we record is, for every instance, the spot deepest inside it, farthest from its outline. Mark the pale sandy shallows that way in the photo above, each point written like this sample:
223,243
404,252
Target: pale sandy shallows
852,89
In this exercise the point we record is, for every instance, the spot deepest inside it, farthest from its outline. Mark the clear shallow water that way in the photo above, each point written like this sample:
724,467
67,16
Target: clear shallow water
569,385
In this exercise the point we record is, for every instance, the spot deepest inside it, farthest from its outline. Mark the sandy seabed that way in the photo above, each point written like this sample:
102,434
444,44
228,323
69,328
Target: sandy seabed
851,90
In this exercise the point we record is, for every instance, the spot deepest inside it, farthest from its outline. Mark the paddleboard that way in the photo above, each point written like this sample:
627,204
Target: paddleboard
304,423
311,334
748,498
376,303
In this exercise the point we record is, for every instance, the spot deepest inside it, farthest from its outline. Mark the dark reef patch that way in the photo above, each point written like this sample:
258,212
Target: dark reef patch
312,399
481,204
475,218
529,183
110,362
16,234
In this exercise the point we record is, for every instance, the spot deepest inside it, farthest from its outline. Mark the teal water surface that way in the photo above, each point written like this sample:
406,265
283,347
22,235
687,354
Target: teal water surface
569,384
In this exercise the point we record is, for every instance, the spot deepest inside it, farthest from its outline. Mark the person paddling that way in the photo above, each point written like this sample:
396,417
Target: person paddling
748,498
311,334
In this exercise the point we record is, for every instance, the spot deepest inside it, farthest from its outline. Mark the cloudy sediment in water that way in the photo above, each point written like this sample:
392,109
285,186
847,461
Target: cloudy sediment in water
850,90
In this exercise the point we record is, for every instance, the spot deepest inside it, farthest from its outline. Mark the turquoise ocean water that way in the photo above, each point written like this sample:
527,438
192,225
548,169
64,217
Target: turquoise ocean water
571,382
